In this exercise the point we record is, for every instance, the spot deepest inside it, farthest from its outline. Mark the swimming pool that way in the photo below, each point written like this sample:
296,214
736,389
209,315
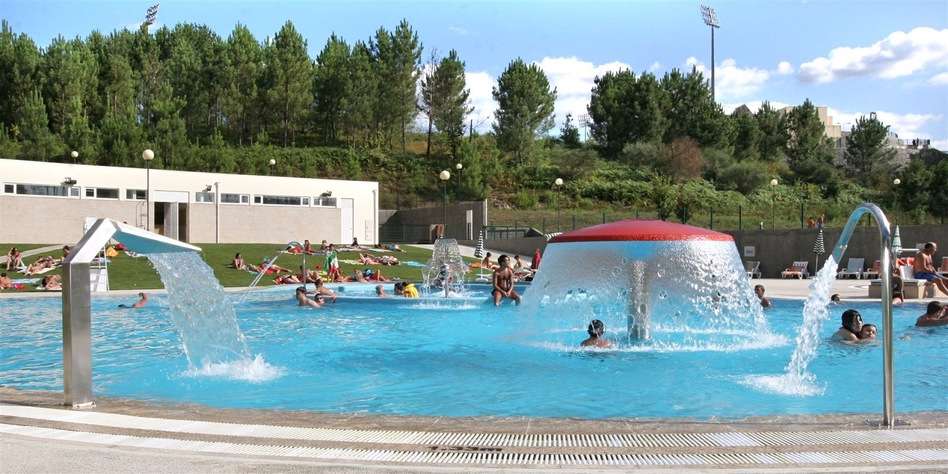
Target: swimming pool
465,358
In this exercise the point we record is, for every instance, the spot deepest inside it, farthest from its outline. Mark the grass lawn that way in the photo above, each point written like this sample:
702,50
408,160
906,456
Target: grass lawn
126,273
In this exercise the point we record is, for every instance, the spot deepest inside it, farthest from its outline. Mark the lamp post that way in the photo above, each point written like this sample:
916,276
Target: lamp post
444,176
148,155
557,184
459,167
773,204
272,163
217,214
75,156
895,198
710,18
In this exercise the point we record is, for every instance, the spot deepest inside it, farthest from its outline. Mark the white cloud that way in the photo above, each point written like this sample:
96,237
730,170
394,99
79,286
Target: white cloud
655,67
573,79
732,81
940,144
907,126
753,105
939,79
784,68
897,55
460,31
481,83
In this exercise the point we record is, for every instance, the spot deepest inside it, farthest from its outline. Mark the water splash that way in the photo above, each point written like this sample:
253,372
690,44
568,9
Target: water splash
797,380
205,317
445,272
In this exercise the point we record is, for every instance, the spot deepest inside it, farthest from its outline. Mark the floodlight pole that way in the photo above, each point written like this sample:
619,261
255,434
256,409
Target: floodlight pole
713,97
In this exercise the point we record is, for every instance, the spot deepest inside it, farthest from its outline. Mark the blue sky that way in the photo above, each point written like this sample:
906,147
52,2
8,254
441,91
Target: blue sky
856,57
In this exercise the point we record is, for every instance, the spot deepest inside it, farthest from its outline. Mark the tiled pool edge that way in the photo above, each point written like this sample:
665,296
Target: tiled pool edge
847,447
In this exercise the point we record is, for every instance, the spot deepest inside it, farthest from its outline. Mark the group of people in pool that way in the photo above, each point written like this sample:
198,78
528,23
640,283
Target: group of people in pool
853,329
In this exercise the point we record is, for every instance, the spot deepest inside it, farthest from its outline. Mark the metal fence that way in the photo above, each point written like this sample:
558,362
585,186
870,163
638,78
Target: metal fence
405,233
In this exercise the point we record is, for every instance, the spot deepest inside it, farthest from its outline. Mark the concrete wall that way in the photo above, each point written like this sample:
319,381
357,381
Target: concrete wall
255,224
456,221
522,246
776,250
56,220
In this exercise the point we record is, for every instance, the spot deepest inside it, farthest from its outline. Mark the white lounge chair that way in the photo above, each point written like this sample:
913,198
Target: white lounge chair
752,267
797,270
853,268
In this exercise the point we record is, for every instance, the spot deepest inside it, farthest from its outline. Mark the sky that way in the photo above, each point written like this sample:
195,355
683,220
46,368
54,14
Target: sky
855,57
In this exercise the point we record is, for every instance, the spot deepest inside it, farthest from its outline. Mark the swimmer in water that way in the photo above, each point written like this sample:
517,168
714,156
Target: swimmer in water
851,325
142,300
867,333
304,300
380,291
596,330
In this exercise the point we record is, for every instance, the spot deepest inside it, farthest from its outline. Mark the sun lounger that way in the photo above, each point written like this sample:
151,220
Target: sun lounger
797,270
752,267
873,272
853,268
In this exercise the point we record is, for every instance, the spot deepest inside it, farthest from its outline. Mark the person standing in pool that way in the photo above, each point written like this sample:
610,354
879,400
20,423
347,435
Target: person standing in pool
764,301
142,301
852,324
304,300
503,282
595,330
936,314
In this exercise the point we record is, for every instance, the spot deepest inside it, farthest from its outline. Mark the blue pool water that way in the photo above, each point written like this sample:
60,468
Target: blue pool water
466,358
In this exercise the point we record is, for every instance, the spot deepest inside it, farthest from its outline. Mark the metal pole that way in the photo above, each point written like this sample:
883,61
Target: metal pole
802,206
773,211
740,218
217,212
147,196
712,64
444,209
712,217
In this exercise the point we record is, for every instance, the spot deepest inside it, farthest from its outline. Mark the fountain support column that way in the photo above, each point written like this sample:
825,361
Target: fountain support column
77,300
638,322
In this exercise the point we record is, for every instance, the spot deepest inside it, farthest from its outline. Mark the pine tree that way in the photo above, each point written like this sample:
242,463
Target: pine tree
397,58
243,73
330,87
289,80
867,151
524,107
569,134
444,98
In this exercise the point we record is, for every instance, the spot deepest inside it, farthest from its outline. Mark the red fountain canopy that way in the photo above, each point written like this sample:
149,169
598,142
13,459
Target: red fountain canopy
640,230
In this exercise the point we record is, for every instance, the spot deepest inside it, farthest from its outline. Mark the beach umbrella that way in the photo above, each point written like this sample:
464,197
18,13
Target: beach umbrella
896,243
479,250
819,248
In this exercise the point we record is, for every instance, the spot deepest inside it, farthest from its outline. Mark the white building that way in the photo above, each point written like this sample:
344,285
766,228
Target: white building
50,202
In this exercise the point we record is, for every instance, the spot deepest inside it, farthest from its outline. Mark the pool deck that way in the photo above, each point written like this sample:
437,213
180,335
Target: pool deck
38,434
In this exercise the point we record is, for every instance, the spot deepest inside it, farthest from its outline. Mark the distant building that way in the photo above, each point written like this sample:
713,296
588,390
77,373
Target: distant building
51,202
904,149
830,129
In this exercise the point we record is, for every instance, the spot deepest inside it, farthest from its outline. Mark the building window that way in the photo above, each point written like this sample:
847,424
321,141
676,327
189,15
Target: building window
8,188
203,197
40,190
102,193
324,201
136,194
230,198
305,201
281,200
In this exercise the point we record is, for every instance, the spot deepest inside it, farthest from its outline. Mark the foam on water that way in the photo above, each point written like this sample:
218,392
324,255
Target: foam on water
206,321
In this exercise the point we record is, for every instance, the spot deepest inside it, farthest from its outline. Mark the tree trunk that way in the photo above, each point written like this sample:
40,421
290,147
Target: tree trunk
428,151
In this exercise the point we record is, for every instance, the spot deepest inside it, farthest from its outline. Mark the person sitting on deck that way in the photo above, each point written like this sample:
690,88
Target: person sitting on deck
5,282
936,314
52,282
40,264
924,269
486,263
373,275
867,333
596,329
535,263
323,245
14,259
503,282
308,248
851,325
287,279
66,250
366,259
764,301
355,243
142,301
303,300
358,276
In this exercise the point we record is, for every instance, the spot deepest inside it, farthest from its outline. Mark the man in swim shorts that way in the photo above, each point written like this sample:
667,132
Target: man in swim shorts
925,270
503,282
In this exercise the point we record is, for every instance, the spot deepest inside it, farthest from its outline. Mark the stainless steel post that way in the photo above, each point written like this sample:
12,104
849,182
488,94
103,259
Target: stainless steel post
147,196
77,336
885,270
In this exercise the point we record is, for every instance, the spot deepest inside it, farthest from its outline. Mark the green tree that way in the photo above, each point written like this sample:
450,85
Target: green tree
241,95
663,195
19,73
747,136
938,202
809,152
773,133
289,80
444,98
691,111
867,151
625,109
569,134
69,69
397,58
330,87
33,124
360,104
524,107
